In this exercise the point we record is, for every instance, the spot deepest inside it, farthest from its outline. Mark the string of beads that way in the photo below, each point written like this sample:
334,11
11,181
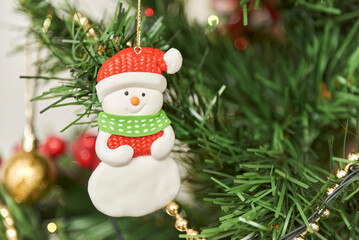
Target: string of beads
182,224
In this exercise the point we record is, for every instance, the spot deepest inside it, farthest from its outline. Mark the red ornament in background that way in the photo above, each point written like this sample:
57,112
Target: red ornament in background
83,151
54,146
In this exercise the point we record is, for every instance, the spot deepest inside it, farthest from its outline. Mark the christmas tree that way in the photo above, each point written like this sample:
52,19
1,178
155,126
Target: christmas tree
265,113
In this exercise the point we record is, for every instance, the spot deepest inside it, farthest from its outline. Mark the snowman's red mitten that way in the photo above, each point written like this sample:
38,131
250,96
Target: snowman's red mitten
141,145
113,157
163,145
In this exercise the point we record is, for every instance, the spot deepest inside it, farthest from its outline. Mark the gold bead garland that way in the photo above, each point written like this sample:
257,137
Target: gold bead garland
8,221
182,224
324,213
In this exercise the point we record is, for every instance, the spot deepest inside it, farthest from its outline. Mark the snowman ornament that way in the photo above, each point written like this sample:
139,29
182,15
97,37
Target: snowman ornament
136,175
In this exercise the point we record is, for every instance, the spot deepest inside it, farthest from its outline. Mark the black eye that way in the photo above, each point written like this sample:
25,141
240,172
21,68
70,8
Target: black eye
126,93
143,94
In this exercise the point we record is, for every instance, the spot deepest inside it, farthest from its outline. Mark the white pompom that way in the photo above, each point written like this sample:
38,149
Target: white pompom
173,60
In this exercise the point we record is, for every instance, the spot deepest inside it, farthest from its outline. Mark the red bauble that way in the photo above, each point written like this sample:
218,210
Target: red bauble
54,146
84,151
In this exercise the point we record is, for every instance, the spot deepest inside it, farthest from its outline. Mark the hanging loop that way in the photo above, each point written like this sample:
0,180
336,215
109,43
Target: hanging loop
137,50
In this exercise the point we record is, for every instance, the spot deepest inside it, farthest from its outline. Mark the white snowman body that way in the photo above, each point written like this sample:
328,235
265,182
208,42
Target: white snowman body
125,186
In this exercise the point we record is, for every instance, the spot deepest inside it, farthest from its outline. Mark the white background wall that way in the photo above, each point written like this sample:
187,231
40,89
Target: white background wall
13,26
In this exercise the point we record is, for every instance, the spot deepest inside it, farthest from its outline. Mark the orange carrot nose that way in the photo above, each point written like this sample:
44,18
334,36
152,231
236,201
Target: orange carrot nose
135,101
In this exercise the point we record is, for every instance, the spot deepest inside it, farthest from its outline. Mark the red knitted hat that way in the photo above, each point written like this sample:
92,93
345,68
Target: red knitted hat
130,69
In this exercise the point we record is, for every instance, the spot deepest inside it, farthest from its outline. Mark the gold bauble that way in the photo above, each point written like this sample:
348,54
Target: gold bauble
181,224
173,208
27,176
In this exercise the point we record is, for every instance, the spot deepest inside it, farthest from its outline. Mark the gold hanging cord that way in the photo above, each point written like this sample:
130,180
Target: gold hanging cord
30,88
138,48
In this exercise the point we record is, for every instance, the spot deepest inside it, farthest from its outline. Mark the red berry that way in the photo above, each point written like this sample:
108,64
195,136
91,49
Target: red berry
45,151
88,140
84,150
84,157
55,146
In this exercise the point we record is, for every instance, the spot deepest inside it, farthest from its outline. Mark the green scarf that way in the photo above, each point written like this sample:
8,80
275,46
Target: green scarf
133,126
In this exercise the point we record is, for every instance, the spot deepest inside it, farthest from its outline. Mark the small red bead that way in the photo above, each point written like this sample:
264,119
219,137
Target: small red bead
149,12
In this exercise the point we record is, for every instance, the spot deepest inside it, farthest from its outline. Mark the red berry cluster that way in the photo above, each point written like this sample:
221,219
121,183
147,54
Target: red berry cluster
84,152
52,148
